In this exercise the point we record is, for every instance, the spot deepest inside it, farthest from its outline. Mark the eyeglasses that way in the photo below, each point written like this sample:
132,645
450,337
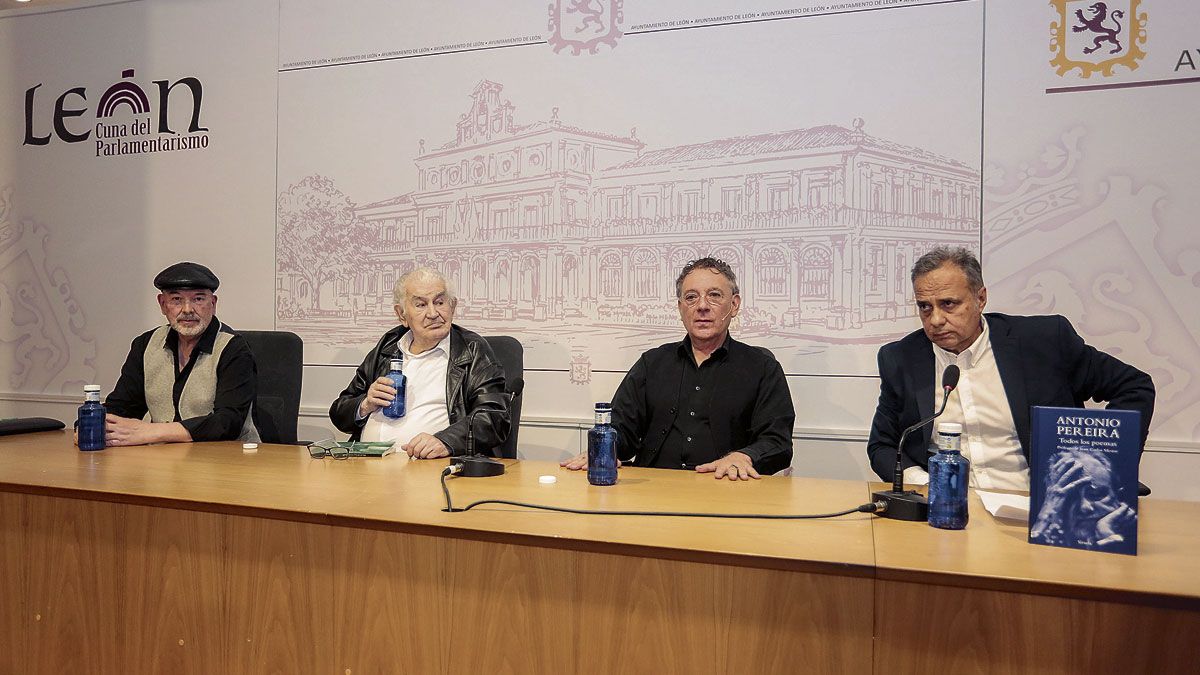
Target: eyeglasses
330,448
713,298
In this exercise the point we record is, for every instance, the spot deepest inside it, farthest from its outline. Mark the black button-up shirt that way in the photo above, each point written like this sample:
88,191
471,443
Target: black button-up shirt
739,398
689,442
237,384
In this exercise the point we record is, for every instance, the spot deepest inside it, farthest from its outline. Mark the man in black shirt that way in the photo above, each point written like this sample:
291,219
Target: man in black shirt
195,376
708,403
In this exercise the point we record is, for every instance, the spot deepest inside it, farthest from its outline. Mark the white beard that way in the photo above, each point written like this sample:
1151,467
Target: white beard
188,331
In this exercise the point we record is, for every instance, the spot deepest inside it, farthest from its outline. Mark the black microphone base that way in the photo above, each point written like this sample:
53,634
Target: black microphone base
908,505
478,467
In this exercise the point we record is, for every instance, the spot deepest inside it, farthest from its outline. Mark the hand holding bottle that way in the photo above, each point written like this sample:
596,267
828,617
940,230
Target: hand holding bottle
379,395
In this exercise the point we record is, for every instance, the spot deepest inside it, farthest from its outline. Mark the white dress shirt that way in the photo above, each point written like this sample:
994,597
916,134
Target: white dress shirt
425,396
980,405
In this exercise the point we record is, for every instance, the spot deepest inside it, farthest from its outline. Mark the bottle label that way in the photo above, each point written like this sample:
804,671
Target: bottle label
604,417
949,442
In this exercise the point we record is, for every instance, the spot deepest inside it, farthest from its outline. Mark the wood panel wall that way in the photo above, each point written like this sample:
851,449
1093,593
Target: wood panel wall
100,587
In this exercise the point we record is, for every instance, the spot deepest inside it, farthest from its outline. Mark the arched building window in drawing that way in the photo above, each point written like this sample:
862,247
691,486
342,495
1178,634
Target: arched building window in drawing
771,270
645,274
816,267
876,268
610,275
503,282
681,257
530,281
479,280
570,273
453,272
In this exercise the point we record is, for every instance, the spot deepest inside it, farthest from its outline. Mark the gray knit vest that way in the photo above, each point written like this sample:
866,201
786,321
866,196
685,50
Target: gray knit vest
200,390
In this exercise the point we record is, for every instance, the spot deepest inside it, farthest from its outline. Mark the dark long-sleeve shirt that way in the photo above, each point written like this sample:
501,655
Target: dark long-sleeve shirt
739,396
237,383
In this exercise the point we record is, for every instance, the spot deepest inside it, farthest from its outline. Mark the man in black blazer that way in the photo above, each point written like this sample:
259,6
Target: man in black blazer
1008,363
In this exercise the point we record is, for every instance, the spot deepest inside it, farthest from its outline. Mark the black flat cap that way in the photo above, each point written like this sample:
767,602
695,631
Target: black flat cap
186,275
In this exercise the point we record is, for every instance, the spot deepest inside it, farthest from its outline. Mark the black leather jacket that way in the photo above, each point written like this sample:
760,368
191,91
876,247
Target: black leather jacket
474,380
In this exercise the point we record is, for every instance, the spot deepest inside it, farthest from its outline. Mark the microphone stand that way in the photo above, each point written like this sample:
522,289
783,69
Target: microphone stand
473,465
900,504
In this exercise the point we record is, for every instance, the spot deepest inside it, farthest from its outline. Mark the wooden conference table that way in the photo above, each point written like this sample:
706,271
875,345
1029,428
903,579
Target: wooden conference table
199,558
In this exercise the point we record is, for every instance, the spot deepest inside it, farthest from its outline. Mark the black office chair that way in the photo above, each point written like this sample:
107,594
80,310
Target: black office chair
511,355
279,356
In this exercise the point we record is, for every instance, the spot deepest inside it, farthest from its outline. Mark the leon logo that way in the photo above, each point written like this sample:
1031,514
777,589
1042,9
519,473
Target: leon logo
126,121
585,24
1096,37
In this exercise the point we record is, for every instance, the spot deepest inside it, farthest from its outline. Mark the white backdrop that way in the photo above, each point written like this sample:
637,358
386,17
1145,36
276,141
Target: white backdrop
819,145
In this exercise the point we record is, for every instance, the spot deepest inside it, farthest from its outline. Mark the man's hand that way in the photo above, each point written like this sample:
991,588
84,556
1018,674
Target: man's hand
578,462
424,446
1067,476
1108,528
379,395
734,466
128,431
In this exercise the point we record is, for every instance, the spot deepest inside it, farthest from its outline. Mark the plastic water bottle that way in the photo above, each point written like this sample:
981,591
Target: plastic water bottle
602,448
398,407
949,476
91,419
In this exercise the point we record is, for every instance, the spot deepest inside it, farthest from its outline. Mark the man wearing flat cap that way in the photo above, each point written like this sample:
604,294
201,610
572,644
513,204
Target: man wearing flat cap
194,376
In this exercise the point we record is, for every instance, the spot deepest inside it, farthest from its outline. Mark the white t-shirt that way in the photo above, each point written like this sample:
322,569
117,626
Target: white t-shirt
425,396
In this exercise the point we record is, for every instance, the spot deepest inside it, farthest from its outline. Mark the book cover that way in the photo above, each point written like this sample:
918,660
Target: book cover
1083,478
368,448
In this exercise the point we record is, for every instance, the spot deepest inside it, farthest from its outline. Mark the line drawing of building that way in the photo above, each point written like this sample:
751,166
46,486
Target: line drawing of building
546,224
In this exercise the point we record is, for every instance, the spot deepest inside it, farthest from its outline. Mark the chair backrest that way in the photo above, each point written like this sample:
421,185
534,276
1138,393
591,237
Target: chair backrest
279,356
511,355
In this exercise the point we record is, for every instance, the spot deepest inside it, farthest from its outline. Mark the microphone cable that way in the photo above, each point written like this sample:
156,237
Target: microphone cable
870,507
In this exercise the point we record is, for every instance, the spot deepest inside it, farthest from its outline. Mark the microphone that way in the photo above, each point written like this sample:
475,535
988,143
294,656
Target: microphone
474,465
518,386
912,505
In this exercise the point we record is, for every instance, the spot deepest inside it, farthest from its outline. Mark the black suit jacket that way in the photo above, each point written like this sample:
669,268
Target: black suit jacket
1042,361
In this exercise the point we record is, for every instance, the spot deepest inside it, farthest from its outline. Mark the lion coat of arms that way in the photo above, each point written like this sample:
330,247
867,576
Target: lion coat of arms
585,24
1095,36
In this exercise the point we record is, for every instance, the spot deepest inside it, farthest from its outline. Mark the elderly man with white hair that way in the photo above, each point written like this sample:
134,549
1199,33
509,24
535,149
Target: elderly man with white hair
451,373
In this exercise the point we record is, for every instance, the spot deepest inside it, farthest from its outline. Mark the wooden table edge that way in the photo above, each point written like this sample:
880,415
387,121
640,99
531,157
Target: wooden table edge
472,534
1025,586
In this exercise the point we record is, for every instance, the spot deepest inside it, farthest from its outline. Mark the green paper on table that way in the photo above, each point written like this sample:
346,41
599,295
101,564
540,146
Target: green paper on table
368,448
